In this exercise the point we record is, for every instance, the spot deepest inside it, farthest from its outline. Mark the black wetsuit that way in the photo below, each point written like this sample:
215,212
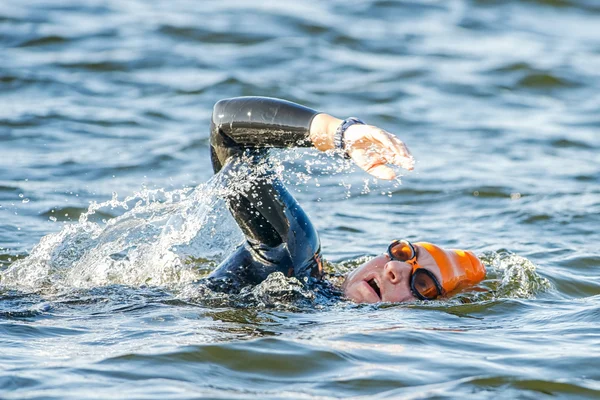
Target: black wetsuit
279,234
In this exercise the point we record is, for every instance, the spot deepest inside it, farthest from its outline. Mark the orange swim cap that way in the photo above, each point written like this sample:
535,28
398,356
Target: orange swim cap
459,268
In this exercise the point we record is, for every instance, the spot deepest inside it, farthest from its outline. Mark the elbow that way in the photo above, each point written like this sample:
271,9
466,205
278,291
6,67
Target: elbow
218,115
220,124
216,123
221,145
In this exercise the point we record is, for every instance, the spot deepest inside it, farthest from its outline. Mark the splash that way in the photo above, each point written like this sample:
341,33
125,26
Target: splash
330,168
508,276
160,238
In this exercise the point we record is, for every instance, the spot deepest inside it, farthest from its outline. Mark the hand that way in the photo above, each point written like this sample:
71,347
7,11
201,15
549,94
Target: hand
372,148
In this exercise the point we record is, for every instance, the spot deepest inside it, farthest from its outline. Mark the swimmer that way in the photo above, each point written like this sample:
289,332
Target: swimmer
279,236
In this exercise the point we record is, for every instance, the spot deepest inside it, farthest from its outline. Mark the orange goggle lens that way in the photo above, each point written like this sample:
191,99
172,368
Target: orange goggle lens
423,283
401,250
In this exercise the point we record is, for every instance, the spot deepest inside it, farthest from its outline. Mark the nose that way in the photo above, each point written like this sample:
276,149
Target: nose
396,272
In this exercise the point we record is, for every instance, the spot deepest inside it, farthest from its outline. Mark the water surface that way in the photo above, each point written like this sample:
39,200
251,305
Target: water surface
108,211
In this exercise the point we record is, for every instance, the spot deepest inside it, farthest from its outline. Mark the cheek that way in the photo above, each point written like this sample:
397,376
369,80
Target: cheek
363,270
355,275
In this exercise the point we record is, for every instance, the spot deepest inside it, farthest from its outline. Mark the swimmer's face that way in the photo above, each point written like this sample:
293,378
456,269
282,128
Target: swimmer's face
383,279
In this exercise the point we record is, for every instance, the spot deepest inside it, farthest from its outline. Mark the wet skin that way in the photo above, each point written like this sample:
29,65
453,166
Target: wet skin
390,278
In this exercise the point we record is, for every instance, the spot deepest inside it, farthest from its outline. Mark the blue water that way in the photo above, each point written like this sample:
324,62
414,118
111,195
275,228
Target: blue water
108,212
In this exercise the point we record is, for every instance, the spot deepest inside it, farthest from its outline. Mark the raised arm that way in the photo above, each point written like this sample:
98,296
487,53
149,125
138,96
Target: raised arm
279,235
261,122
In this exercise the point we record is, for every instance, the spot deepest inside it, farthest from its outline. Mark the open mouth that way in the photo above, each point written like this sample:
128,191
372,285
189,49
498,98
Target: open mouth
375,287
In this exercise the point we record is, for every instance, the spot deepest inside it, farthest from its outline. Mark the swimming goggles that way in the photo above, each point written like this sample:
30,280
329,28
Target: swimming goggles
423,284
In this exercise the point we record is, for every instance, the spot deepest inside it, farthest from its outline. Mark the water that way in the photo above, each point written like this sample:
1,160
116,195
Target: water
108,211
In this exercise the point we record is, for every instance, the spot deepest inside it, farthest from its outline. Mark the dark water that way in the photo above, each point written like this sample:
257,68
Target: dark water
104,112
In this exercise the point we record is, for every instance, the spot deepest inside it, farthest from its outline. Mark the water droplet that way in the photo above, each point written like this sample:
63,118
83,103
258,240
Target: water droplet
21,195
53,218
25,200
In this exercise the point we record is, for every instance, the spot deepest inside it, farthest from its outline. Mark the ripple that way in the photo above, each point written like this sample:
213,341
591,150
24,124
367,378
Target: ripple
490,192
19,314
23,330
588,5
497,103
194,145
268,356
210,36
513,67
538,386
8,189
35,120
343,228
588,178
385,8
157,115
405,191
544,81
44,41
533,219
7,258
589,261
99,66
91,170
528,77
569,143
13,382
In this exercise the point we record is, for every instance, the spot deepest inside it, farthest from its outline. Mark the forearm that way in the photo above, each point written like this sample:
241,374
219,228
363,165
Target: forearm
257,122
268,122
261,122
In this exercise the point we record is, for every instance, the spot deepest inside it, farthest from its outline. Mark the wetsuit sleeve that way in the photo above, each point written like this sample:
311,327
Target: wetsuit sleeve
277,230
257,122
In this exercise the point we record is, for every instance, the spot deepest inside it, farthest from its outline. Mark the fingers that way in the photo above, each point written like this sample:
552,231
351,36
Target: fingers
375,147
400,155
382,172
373,163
